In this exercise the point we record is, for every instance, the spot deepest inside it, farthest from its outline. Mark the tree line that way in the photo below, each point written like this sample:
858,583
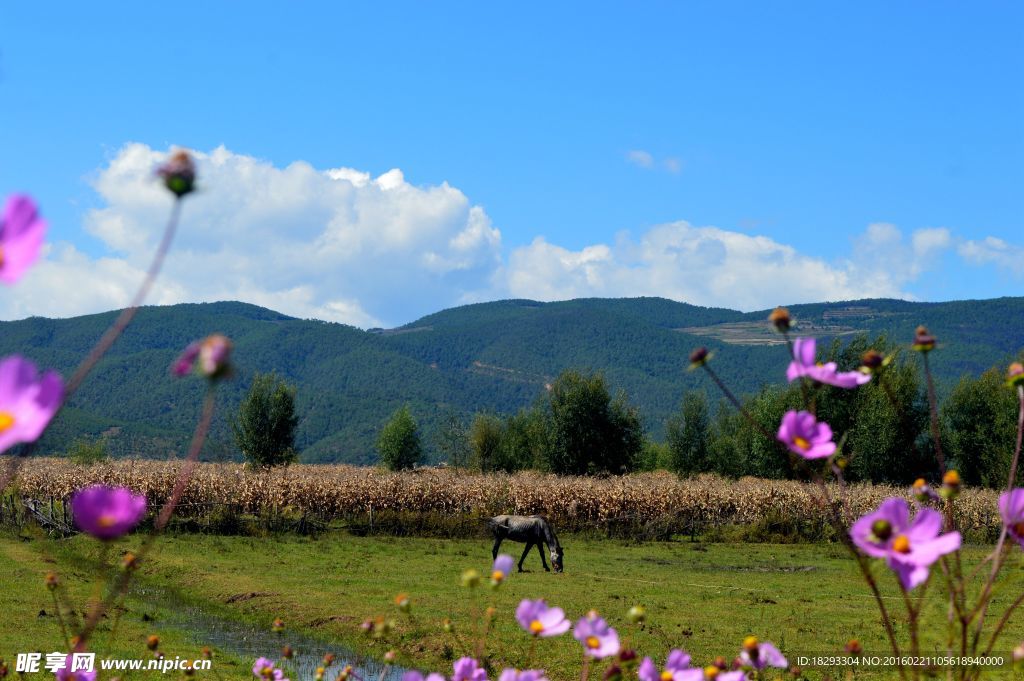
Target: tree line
576,426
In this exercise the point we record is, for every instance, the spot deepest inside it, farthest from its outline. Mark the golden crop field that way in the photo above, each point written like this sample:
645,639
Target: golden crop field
327,492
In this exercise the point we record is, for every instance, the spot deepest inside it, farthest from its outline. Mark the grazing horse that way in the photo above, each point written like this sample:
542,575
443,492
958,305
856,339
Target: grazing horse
532,529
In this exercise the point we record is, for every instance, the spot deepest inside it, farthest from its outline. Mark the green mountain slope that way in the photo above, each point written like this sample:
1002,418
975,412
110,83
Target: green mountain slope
484,357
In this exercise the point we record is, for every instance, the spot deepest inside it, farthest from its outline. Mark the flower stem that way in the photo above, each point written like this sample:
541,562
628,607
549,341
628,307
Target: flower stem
933,413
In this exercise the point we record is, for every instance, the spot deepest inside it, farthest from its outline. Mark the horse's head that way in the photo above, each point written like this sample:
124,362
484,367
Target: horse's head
556,558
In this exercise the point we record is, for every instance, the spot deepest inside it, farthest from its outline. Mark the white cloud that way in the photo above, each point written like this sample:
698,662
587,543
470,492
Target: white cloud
639,157
335,244
343,245
711,266
992,250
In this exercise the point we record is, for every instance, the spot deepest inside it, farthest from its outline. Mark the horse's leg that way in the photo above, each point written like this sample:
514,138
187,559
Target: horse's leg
540,550
497,545
529,545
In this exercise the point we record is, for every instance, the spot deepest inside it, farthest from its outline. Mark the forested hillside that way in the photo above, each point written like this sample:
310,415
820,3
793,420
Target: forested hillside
494,357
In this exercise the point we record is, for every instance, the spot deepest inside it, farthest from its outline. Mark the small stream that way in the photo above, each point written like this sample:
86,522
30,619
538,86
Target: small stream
249,642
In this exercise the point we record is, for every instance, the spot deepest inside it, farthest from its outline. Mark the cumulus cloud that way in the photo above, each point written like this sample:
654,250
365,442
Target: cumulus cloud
343,245
335,244
711,266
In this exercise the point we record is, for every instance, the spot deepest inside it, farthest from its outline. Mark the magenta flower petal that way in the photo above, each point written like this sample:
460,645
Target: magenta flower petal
1011,510
21,237
183,365
803,364
804,435
107,512
468,669
27,402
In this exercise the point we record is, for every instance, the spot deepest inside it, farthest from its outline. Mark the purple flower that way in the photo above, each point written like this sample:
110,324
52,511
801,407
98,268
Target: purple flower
599,640
212,353
540,620
65,674
417,676
908,547
677,668
803,364
27,402
468,669
1011,510
806,436
21,237
525,675
107,512
502,567
760,655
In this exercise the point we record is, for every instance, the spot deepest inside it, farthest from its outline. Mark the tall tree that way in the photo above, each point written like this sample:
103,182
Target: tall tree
399,441
688,435
591,432
265,426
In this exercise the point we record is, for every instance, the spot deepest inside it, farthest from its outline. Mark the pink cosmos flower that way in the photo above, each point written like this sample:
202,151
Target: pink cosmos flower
760,655
599,640
26,403
21,237
468,669
66,674
803,364
502,567
525,675
909,548
804,435
107,512
677,668
186,360
540,620
1011,510
264,669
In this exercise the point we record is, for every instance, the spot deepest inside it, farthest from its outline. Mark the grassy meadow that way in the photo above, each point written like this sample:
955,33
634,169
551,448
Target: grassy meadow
807,598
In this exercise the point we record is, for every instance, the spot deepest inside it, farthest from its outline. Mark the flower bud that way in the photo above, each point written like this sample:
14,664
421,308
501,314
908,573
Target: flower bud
390,656
923,341
637,614
278,625
627,655
214,356
872,361
853,647
471,578
52,581
287,652
881,530
699,357
1015,375
178,173
3,669
1018,653
403,603
153,642
329,659
951,480
614,673
207,653
781,319
447,626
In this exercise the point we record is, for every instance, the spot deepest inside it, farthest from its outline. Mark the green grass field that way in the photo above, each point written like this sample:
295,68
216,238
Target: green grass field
808,599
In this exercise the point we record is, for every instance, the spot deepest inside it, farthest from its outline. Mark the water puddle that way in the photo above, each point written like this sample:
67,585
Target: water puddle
249,642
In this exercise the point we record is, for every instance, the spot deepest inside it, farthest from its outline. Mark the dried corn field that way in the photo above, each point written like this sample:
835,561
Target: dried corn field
648,505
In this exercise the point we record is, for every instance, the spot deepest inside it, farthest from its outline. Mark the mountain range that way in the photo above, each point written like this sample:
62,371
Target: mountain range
494,357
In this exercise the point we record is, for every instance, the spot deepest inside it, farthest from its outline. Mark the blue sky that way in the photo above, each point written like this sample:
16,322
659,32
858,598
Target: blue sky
730,154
